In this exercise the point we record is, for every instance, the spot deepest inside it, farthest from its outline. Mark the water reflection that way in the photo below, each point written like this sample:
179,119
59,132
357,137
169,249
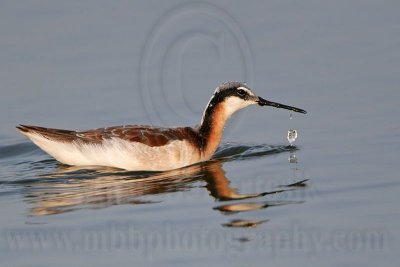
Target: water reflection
76,188
251,206
244,223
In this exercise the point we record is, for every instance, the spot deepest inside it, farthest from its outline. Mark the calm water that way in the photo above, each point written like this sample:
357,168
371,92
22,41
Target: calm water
331,200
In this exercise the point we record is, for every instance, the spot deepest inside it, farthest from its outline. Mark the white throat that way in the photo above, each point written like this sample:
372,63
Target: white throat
233,104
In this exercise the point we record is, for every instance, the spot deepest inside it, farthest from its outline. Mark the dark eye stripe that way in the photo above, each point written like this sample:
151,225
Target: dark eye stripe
241,92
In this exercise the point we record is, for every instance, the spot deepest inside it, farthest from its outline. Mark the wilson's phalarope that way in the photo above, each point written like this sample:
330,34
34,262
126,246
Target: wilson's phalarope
138,147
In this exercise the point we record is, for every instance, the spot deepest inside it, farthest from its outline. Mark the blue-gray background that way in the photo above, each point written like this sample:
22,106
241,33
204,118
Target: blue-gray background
86,64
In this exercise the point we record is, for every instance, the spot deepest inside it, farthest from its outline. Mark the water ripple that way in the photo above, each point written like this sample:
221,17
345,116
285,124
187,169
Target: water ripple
14,150
236,151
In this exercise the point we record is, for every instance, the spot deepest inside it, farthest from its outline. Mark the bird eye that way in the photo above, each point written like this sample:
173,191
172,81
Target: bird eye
241,92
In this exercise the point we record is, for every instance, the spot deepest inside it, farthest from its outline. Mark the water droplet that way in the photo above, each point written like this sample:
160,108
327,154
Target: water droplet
291,116
292,158
291,136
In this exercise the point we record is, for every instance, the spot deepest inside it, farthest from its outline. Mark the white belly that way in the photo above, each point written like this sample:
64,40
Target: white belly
121,154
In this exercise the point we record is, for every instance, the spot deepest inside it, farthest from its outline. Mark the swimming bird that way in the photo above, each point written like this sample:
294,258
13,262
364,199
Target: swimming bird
149,148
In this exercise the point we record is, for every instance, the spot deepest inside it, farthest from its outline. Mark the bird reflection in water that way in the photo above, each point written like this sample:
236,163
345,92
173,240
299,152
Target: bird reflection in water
76,189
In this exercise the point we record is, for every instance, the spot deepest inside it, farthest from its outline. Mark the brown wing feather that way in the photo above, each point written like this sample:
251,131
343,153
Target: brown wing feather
148,135
53,134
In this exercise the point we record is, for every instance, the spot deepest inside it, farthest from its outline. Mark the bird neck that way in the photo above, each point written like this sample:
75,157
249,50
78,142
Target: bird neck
212,127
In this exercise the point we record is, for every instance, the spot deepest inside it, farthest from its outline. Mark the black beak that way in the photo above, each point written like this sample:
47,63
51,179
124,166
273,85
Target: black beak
262,102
